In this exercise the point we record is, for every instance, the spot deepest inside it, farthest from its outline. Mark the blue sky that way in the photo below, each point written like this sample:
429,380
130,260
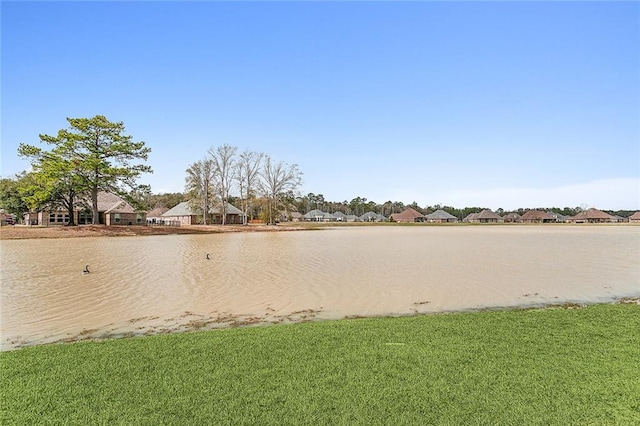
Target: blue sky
493,104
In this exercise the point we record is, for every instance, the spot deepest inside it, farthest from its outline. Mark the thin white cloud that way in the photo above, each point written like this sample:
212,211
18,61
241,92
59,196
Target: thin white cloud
614,194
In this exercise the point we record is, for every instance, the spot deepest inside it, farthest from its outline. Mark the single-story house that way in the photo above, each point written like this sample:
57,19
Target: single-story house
340,217
440,216
112,210
537,216
295,216
618,219
372,217
407,216
6,218
635,218
485,216
154,217
511,217
183,214
289,216
560,218
591,216
319,216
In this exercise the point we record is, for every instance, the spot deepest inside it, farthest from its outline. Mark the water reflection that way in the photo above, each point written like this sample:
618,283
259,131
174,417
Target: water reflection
147,285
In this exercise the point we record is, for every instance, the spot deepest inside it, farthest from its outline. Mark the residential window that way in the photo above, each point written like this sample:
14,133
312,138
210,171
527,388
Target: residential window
85,217
139,218
66,218
116,217
52,217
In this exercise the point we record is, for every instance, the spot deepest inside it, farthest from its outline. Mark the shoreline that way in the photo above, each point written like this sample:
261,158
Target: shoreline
190,322
23,232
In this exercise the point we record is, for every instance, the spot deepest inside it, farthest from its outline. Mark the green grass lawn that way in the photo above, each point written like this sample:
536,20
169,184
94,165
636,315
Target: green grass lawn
546,366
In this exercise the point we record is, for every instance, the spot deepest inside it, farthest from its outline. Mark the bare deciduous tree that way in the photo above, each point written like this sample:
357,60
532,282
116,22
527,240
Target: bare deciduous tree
200,185
278,179
247,170
223,161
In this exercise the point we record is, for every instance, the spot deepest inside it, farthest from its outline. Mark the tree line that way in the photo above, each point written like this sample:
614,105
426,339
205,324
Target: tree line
360,205
94,154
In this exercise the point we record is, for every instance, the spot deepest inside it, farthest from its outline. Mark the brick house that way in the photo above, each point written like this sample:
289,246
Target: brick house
591,216
112,210
537,216
408,215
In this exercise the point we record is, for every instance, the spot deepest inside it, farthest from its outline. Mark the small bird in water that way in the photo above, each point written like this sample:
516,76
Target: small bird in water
86,270
208,256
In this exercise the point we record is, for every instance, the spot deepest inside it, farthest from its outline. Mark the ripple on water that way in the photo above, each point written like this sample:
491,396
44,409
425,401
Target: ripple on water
146,285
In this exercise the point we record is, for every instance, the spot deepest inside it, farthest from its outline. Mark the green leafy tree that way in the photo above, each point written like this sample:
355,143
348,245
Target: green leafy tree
55,182
98,155
140,197
11,199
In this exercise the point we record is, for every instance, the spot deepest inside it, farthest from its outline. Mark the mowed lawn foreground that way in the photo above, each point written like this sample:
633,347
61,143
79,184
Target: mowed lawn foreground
539,366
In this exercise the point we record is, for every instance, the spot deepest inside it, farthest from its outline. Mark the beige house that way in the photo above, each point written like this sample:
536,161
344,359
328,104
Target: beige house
154,217
112,210
440,216
182,214
485,216
635,218
511,217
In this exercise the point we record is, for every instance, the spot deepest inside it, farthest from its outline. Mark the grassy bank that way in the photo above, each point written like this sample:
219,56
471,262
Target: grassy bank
547,366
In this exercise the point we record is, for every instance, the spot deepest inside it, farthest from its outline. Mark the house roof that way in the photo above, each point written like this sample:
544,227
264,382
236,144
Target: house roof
313,214
483,215
157,212
556,215
112,203
488,214
592,214
374,215
408,214
472,216
183,209
440,214
635,216
536,215
339,215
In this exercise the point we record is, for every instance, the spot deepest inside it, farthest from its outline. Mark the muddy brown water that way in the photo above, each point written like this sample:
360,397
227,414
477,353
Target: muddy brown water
161,284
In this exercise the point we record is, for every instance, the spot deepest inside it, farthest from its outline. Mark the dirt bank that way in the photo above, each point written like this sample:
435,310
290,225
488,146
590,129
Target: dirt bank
24,232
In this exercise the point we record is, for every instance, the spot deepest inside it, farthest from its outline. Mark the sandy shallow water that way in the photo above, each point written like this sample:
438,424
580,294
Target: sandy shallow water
160,284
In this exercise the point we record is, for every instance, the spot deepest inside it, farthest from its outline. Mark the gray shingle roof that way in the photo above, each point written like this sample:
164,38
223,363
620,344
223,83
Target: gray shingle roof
372,216
440,214
183,209
314,214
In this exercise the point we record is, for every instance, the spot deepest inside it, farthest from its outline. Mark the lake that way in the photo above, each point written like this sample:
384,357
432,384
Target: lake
161,284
